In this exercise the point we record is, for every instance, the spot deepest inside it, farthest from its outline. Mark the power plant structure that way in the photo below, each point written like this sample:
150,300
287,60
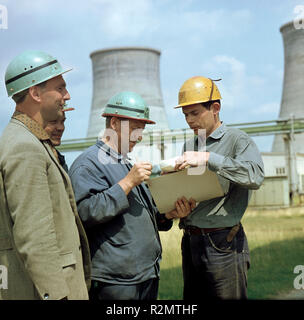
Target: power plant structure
126,69
292,103
137,69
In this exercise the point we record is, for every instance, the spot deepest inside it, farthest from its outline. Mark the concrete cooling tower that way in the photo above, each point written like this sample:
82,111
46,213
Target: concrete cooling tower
126,69
292,103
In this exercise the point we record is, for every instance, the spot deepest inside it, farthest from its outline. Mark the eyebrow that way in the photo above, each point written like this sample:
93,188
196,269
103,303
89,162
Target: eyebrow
190,111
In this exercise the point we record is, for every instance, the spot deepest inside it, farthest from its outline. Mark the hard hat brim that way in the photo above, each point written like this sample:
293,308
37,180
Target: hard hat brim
127,117
187,104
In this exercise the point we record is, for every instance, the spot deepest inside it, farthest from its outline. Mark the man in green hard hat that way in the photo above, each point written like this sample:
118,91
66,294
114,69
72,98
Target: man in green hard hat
42,241
117,208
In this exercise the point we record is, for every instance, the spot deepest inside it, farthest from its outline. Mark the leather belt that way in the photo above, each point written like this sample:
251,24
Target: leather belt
196,230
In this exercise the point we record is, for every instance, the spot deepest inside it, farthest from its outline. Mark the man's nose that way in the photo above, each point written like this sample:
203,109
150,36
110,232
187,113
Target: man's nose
190,120
60,127
66,95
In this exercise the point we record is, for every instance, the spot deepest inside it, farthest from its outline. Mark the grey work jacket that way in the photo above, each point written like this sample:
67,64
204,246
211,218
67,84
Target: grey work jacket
122,230
235,158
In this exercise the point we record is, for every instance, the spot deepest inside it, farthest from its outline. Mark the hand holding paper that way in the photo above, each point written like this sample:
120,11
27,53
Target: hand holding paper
168,165
191,158
183,208
169,187
139,173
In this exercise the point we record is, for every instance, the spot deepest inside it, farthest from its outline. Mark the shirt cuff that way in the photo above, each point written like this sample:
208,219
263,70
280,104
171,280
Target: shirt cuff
120,196
215,161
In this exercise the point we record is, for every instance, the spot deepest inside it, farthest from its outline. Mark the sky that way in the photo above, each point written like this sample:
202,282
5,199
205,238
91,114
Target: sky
237,41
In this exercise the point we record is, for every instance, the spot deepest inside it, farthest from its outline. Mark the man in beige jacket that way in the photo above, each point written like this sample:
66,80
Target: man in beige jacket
43,245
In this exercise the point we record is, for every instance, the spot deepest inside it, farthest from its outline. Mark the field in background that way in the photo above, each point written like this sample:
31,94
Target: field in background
276,243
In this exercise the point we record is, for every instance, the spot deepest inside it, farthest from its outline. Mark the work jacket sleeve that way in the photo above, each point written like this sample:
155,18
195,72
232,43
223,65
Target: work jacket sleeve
163,224
97,201
245,168
28,197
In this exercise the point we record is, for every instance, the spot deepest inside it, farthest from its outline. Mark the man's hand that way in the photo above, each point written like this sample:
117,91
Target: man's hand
139,173
183,208
192,159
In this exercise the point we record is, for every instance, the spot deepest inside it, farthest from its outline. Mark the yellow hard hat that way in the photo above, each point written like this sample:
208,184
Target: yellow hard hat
197,90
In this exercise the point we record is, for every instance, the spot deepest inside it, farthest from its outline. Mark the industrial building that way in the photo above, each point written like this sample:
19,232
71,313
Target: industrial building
275,191
137,69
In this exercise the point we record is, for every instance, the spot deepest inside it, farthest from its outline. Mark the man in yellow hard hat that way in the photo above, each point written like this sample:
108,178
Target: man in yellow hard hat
215,251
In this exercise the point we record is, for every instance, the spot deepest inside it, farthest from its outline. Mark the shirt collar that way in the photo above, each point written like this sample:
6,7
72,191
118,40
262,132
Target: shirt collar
219,132
34,127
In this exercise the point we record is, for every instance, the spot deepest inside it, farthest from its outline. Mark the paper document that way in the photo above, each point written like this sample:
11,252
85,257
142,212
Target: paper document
168,188
168,165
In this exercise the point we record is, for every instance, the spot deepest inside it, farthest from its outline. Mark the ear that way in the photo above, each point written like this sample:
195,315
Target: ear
114,123
216,107
35,93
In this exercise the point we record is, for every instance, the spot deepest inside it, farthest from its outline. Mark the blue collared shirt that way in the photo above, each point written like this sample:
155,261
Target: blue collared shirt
235,158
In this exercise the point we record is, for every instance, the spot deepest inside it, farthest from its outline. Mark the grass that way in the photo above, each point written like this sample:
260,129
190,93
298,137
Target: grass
276,242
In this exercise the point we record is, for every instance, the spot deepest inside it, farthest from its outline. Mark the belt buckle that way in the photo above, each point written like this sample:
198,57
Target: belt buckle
194,231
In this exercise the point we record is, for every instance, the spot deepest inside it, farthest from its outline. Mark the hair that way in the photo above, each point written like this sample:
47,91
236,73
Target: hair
20,96
208,104
108,122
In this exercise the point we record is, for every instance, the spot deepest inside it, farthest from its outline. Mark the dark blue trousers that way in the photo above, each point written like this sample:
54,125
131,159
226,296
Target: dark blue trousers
146,290
213,267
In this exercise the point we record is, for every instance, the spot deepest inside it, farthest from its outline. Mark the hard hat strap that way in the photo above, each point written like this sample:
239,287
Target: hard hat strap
212,87
30,71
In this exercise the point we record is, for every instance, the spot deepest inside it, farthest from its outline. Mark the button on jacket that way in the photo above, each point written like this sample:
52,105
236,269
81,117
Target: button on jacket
235,158
42,241
122,230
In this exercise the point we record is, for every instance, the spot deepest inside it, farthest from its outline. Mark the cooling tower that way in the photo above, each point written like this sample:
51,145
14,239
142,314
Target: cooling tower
126,69
292,103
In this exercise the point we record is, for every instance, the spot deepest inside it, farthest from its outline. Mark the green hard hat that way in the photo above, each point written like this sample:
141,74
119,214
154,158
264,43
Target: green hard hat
128,105
29,69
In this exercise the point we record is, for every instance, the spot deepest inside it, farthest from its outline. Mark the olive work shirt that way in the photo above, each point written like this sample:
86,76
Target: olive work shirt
235,158
122,229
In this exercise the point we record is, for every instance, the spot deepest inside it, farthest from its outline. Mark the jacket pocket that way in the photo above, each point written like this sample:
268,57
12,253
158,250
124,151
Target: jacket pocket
67,259
5,244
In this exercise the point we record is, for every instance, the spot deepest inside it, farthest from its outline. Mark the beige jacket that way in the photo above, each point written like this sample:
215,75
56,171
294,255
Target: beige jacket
42,241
